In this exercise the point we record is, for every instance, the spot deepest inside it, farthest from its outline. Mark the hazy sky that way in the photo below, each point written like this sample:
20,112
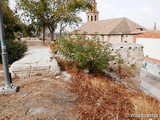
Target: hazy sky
144,12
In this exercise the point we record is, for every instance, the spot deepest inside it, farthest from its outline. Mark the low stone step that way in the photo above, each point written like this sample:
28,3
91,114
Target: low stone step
37,62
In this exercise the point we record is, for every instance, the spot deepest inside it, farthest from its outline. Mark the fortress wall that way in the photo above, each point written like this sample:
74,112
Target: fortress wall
128,65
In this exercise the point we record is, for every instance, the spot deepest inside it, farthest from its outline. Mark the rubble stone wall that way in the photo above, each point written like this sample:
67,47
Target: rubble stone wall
128,65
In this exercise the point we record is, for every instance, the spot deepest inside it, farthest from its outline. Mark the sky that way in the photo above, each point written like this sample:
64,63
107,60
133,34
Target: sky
143,12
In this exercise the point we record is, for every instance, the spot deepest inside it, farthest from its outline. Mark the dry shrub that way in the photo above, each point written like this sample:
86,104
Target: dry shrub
102,99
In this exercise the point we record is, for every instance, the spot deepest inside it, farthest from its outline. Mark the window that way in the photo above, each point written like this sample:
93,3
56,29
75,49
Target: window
95,17
140,29
91,18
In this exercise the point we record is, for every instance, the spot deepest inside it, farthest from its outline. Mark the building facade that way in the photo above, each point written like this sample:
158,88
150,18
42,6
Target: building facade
151,44
123,30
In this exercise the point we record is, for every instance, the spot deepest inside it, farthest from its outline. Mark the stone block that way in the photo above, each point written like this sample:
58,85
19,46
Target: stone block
37,61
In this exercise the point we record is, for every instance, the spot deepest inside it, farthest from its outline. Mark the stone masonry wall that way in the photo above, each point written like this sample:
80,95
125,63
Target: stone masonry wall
152,68
128,65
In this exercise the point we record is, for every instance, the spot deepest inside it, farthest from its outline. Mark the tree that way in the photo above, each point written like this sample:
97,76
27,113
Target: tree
68,18
12,23
30,30
50,13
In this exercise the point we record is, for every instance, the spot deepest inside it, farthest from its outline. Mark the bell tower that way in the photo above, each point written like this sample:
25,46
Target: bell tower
93,14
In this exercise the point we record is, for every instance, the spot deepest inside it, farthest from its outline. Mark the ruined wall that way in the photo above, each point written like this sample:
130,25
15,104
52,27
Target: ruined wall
128,65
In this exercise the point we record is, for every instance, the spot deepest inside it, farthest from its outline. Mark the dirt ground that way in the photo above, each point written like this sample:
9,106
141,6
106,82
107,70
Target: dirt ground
38,99
46,98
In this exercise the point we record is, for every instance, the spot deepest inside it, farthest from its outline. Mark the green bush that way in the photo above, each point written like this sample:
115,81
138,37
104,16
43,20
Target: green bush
86,54
15,50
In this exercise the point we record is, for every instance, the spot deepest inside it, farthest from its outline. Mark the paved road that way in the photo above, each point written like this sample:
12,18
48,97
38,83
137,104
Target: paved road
150,85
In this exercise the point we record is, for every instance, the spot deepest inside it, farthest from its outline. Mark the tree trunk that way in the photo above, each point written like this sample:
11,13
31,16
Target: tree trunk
52,36
52,27
44,33
60,33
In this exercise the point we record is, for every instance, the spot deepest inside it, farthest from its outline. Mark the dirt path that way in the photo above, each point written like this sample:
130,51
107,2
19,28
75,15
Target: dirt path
39,98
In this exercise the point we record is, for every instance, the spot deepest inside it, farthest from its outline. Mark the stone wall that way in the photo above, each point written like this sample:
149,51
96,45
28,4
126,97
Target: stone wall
115,39
153,69
127,38
120,38
128,65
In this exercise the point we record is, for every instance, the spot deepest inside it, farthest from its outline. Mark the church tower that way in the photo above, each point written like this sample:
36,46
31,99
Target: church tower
93,14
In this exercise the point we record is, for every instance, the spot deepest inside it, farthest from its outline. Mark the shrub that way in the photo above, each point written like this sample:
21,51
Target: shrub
15,50
86,54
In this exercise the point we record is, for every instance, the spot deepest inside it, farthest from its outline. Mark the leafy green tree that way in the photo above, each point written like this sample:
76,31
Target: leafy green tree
50,13
12,23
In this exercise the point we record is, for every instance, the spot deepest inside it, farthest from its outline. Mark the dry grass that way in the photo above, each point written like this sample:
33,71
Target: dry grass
103,99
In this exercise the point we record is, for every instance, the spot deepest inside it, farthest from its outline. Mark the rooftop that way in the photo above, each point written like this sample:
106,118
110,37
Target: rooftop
111,27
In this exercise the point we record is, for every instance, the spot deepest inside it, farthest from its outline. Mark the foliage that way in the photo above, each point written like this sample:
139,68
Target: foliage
15,50
133,66
52,42
50,13
124,72
12,23
86,54
29,30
